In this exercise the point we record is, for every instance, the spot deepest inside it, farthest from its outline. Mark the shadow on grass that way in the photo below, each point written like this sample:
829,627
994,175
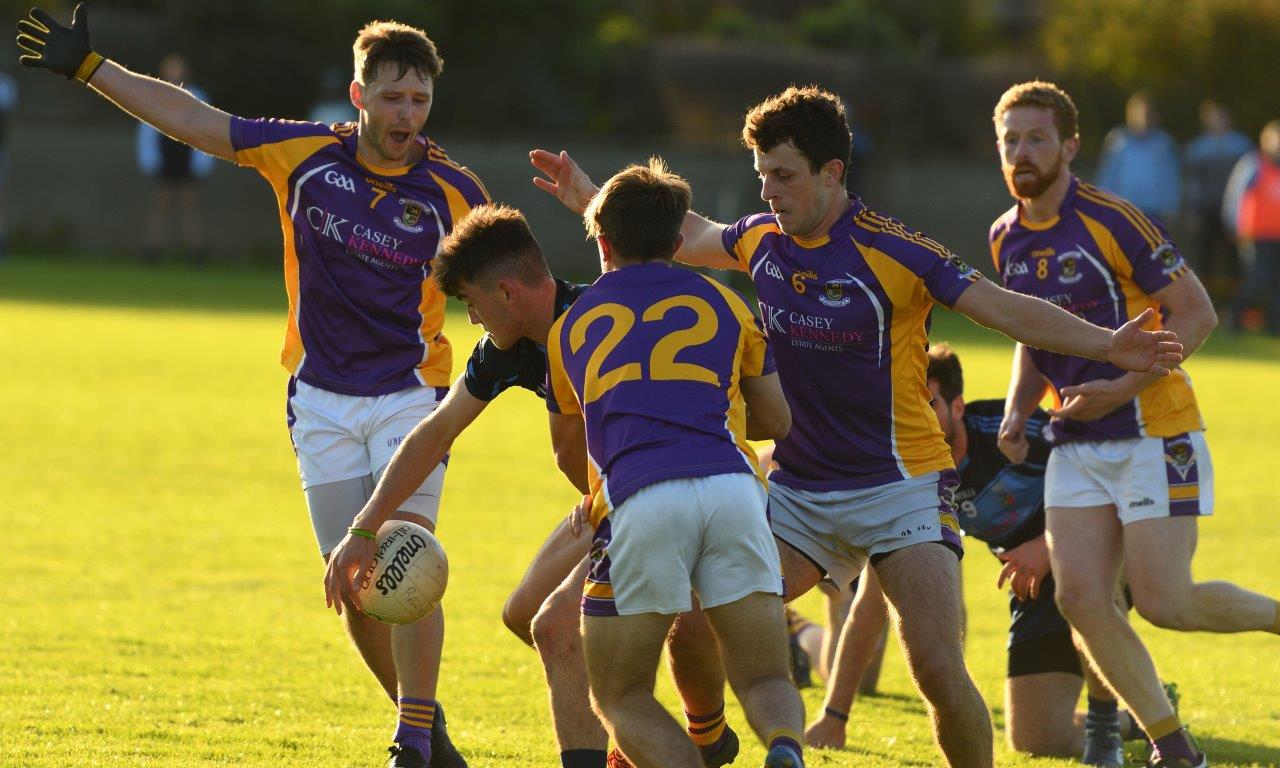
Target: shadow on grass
1231,752
64,280
60,279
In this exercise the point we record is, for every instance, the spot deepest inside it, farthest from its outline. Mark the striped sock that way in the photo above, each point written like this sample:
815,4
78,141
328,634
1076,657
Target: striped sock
414,729
707,731
1170,740
1102,713
787,739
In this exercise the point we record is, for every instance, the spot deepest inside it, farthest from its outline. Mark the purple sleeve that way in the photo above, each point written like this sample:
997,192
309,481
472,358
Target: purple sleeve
945,275
733,235
1156,261
250,134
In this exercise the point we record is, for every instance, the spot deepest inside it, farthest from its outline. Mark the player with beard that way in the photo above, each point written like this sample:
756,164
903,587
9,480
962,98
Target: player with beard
1130,472
363,207
846,294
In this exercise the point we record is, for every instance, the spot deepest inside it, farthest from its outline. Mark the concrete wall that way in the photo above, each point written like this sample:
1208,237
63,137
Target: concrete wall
72,188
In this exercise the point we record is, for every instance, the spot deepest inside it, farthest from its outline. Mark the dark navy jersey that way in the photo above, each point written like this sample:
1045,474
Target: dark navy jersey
1001,503
491,370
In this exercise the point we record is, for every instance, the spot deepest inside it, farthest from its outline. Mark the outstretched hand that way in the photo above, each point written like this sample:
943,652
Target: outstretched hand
1134,349
563,178
46,44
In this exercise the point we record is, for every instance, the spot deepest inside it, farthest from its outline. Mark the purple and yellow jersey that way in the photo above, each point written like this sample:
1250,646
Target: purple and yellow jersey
1101,258
847,317
365,316
653,357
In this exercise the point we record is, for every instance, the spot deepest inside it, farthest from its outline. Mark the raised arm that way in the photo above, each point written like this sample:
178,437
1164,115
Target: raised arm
1037,323
46,44
422,450
567,182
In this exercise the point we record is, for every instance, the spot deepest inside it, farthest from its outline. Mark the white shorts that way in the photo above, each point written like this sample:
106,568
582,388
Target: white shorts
1142,477
839,531
705,534
346,437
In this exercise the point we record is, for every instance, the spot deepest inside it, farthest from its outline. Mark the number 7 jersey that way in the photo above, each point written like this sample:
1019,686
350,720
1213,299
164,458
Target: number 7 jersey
365,315
653,357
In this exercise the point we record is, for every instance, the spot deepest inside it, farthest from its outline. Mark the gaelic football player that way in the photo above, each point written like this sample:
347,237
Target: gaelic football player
363,207
670,372
1130,473
493,263
845,294
1002,504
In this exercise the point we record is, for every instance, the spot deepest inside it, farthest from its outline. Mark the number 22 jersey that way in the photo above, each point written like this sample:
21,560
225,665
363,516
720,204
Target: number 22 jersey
653,356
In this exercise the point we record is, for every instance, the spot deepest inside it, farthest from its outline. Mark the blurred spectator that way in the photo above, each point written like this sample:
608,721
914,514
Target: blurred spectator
1208,161
1140,161
335,104
174,169
1251,208
8,100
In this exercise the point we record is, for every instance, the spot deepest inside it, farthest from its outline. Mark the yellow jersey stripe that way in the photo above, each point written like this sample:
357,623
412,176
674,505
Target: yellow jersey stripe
1135,217
1141,219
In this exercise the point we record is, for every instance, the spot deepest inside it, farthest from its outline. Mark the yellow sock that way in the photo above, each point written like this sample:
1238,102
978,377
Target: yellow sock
1164,728
706,730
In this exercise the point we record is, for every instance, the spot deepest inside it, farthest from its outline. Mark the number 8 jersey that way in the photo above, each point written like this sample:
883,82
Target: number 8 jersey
653,357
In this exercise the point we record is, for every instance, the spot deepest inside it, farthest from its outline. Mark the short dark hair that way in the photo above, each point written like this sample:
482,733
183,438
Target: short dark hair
1037,93
640,211
944,367
407,47
490,242
811,118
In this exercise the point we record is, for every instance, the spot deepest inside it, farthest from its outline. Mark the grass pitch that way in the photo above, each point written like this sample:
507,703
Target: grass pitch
162,591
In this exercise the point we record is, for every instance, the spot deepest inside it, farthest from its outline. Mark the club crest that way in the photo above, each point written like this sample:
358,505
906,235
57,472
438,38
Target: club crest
1180,455
410,220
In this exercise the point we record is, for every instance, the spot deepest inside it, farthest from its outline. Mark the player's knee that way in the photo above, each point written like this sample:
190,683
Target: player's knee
1078,604
1036,742
555,630
940,677
1162,610
518,620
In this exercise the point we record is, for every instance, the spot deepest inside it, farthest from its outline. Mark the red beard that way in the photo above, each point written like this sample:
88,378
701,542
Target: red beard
1029,189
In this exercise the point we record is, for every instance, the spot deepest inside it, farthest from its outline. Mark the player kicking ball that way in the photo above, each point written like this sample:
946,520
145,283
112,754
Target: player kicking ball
671,374
363,207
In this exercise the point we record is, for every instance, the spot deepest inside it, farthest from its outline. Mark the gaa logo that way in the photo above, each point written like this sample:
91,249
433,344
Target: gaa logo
340,181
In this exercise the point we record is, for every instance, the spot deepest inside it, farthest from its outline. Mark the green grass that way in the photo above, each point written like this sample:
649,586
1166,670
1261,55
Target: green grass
163,603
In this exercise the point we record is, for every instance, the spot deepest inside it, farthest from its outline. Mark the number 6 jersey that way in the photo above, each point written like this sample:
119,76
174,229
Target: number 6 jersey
653,357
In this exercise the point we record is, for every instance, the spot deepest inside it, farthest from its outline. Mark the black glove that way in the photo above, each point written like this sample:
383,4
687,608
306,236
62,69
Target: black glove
47,44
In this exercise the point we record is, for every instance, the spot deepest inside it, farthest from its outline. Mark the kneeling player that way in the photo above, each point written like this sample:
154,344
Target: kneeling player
671,374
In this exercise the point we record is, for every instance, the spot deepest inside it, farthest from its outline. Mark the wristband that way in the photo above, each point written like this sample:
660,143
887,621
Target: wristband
837,714
362,533
89,66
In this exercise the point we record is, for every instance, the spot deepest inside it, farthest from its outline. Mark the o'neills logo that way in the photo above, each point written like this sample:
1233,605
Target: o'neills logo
394,573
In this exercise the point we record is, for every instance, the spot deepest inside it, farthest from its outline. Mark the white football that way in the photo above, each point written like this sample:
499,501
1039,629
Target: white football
408,576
